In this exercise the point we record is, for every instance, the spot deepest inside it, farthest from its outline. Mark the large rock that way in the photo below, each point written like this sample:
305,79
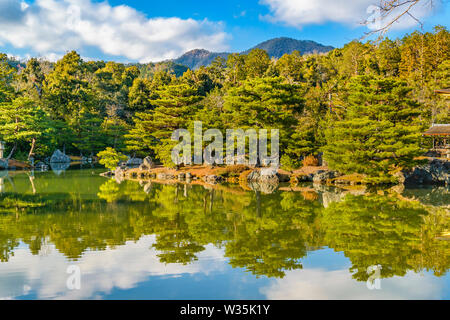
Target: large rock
134,162
59,157
266,188
322,176
264,175
303,177
264,180
269,176
147,164
436,171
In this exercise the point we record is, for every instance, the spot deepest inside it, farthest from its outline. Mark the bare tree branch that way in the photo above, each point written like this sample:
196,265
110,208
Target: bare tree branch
389,12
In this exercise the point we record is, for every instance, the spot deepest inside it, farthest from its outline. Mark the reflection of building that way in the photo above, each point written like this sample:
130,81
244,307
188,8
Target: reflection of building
3,162
443,92
441,138
2,149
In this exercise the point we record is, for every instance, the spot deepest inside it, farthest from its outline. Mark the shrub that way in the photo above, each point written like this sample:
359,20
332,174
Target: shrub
110,158
288,163
311,161
231,171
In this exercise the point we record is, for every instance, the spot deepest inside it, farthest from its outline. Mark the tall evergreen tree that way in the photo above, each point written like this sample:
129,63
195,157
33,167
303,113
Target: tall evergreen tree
20,123
153,129
380,133
265,103
7,74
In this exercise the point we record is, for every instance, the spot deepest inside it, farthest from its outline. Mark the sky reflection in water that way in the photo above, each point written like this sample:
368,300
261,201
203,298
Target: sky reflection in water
177,242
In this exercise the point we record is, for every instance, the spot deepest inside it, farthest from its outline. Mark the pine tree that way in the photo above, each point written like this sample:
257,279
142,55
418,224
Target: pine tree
7,74
380,132
153,129
140,95
290,66
265,103
256,63
19,123
110,158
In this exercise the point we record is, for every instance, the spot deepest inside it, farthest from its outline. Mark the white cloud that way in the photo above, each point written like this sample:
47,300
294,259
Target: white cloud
320,284
298,13
122,267
53,27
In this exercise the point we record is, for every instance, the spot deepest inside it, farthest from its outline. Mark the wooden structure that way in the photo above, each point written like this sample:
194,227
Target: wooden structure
441,138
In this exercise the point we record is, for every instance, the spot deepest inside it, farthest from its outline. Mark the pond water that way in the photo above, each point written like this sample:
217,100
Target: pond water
134,240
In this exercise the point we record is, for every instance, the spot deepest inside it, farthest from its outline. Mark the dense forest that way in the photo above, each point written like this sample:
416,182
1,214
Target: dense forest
364,105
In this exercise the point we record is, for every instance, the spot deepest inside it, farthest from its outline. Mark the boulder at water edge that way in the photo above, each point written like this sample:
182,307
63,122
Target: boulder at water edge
147,164
59,157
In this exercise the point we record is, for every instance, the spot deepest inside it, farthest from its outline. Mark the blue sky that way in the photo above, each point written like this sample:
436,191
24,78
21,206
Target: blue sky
156,30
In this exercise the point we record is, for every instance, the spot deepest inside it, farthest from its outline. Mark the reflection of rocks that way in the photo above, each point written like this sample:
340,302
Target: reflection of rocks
107,174
120,174
165,176
283,177
212,179
41,166
332,194
148,187
59,157
59,168
322,176
3,164
435,196
264,180
262,187
302,178
119,179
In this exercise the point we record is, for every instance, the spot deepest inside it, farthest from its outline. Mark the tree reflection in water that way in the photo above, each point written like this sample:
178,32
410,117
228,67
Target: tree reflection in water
267,234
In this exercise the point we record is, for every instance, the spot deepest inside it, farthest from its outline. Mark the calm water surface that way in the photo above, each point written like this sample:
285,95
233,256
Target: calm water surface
153,241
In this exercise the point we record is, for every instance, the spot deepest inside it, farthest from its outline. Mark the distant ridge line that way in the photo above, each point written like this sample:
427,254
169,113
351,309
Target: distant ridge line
275,48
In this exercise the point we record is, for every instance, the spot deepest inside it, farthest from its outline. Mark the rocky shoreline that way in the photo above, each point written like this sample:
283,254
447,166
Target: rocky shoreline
267,180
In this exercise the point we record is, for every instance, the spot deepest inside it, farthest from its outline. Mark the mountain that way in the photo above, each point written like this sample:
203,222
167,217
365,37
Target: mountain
199,57
278,46
274,47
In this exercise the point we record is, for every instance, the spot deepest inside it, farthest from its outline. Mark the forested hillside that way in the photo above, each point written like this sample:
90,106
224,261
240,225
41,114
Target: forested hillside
364,105
197,58
275,48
